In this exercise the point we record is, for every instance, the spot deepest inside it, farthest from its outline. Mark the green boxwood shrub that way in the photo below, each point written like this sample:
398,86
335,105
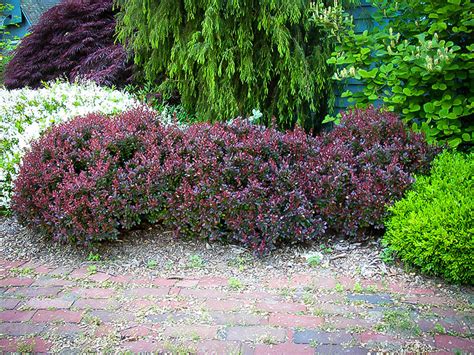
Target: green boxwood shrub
432,227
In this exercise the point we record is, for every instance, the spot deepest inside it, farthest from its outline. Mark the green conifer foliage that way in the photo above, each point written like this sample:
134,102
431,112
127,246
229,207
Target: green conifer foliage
227,57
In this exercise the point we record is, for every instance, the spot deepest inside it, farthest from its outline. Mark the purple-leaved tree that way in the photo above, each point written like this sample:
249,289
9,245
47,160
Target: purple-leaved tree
74,39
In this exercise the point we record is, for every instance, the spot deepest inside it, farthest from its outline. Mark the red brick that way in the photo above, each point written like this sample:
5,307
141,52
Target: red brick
371,283
213,281
104,330
203,293
217,347
8,303
175,291
449,342
46,316
278,282
136,305
16,316
142,346
429,300
58,303
7,265
225,305
20,329
255,295
187,283
121,279
163,282
37,345
170,304
282,349
52,282
80,273
179,331
92,303
347,282
343,322
255,333
34,291
16,281
324,282
43,269
144,281
142,292
281,307
421,291
70,330
93,292
289,320
139,331
61,271
99,277
368,337
237,318
301,281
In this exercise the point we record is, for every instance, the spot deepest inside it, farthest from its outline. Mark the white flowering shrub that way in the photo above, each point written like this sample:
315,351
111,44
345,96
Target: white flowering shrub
26,113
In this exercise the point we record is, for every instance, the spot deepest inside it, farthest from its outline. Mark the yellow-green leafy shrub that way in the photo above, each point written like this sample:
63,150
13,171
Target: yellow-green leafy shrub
432,227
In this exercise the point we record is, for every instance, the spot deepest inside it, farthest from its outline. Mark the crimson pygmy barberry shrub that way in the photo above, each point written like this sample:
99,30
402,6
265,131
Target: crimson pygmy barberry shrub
246,184
93,177
364,165
73,39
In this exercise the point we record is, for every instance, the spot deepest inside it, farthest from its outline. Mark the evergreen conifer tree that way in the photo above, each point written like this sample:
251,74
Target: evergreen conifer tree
228,57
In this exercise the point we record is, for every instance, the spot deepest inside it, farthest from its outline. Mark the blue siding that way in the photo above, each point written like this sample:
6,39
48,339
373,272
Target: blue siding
16,25
13,12
363,20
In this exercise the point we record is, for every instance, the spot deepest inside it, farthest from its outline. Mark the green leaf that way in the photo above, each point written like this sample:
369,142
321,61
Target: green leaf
368,74
407,91
429,107
453,143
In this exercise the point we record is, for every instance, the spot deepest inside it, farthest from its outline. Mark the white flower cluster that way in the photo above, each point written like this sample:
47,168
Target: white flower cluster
26,113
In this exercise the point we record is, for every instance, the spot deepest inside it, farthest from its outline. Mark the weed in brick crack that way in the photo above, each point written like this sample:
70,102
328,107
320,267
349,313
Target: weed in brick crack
24,347
151,264
92,269
400,322
267,339
235,284
25,271
195,262
93,257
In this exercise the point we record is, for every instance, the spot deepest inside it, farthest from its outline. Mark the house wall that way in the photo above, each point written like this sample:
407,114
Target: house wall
363,21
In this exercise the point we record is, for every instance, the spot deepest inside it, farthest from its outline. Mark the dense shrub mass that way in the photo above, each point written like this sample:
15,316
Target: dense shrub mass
25,114
73,39
363,165
88,179
235,182
246,183
433,226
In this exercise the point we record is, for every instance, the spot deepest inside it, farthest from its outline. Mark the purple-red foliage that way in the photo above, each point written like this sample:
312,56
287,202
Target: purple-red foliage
365,164
246,184
95,176
73,39
88,179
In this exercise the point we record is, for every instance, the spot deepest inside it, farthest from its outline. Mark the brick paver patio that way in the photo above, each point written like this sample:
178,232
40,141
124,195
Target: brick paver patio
43,309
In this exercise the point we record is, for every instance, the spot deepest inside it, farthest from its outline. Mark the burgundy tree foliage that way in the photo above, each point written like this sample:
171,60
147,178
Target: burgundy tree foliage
73,39
91,178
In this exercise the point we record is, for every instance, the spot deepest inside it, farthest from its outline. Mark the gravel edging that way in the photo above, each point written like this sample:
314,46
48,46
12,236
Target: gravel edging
154,252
